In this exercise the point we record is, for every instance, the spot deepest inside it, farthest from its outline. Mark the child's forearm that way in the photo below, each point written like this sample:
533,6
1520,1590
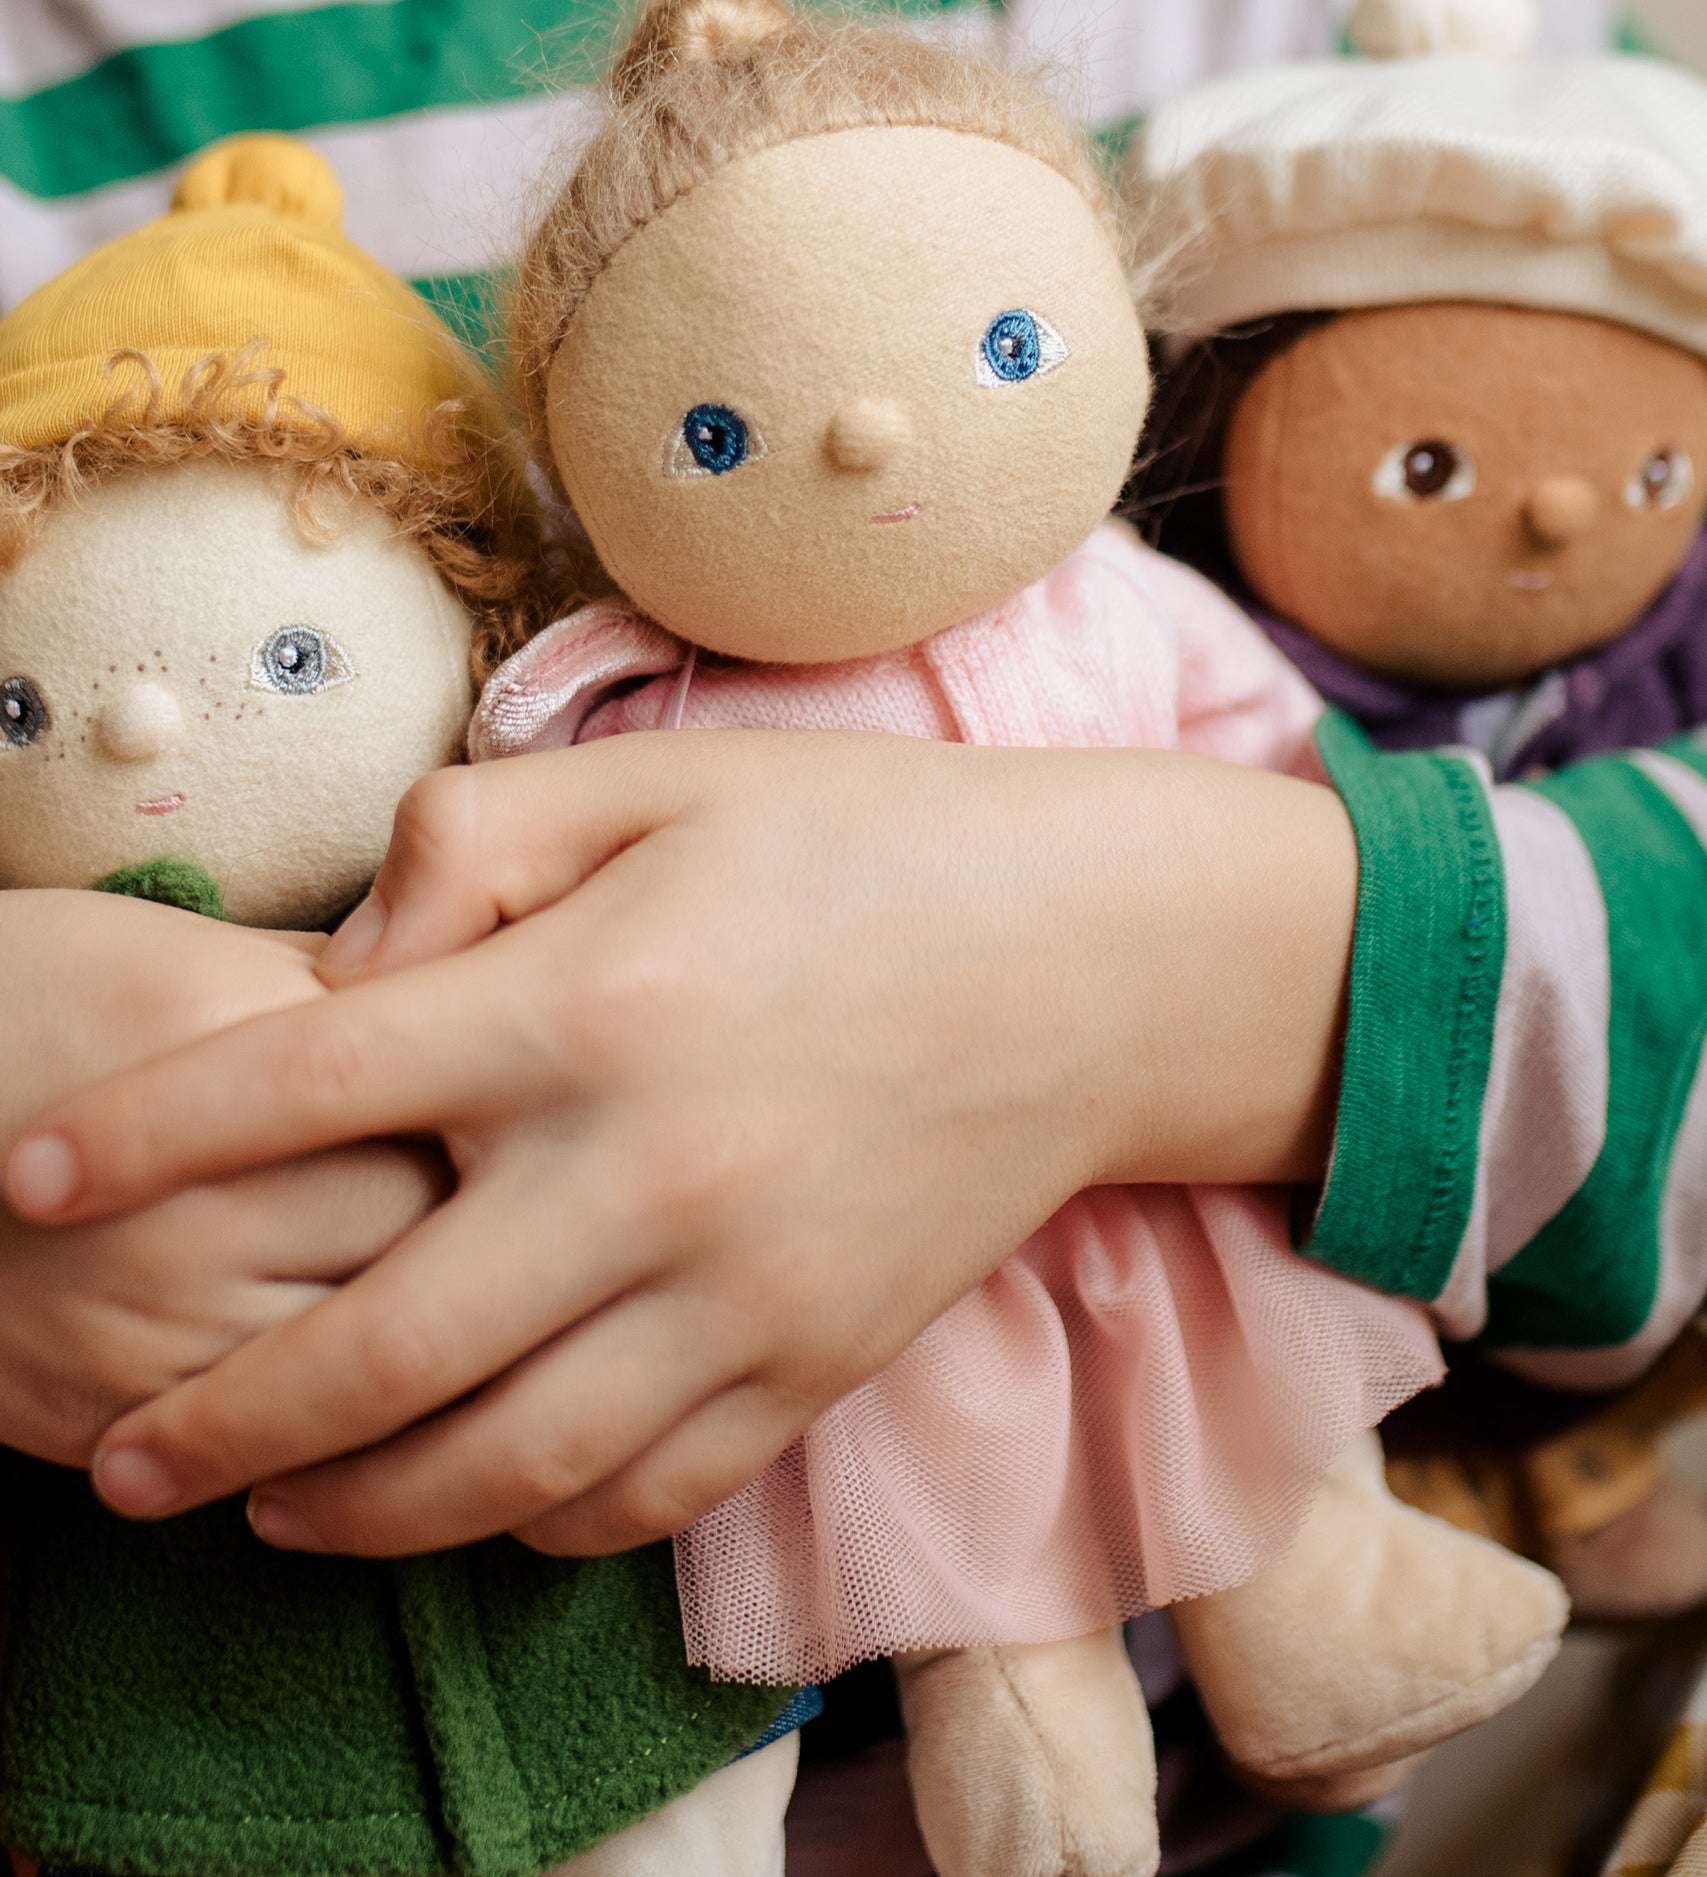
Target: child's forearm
832,1024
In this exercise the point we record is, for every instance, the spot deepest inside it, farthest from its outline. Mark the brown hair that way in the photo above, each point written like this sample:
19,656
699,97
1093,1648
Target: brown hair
1174,496
703,83
468,508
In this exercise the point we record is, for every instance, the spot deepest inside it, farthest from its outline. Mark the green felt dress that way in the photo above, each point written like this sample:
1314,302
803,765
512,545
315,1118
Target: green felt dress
177,1700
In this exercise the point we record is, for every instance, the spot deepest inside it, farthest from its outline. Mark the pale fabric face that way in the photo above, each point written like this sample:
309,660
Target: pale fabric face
209,685
835,296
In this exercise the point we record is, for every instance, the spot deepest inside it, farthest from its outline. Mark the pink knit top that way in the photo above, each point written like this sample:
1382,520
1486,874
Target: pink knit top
1136,1407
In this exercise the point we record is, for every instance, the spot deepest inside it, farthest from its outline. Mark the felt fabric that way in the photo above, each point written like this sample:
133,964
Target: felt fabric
1137,1406
181,579
1577,185
178,1698
167,882
1645,686
1486,582
1431,1631
250,251
961,490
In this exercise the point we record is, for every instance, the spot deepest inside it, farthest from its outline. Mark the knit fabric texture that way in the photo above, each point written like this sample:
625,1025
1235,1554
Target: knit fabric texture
251,249
1571,184
178,1698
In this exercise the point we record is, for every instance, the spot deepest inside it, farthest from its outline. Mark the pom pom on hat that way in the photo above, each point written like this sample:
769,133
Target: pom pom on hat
264,172
249,264
1403,29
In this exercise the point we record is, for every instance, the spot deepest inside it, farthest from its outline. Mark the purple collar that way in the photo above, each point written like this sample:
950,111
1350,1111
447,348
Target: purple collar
1645,685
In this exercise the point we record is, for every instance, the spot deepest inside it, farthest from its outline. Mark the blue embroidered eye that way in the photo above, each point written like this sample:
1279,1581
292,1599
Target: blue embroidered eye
715,439
299,661
1018,345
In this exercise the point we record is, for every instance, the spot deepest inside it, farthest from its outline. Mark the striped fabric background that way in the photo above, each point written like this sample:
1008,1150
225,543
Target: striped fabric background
439,114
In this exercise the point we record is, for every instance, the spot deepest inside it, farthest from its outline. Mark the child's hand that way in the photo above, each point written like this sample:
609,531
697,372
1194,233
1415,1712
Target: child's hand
94,1319
832,1024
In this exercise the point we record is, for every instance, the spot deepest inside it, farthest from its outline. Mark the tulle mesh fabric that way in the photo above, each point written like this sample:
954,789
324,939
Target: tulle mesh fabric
1134,1409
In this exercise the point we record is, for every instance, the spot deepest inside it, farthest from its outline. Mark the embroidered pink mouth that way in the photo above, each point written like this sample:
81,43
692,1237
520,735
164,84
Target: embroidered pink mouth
899,514
161,805
1531,582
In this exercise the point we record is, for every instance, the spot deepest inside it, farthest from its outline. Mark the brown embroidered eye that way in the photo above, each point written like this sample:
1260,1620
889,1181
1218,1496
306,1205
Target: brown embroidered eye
1429,471
23,713
1664,481
1429,467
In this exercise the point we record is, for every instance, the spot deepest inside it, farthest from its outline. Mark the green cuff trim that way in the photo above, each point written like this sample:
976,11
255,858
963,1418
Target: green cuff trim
1425,980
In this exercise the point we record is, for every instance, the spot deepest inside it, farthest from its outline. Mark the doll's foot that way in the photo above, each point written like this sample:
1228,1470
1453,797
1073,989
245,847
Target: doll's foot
1031,1761
1651,1561
1335,1792
1380,1633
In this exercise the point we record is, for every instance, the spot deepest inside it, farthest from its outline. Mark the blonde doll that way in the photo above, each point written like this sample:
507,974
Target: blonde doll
828,340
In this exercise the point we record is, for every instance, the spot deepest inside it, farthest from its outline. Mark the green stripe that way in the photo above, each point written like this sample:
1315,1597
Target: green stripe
1629,36
1425,977
1590,1276
1689,751
1110,142
150,106
471,305
1344,1844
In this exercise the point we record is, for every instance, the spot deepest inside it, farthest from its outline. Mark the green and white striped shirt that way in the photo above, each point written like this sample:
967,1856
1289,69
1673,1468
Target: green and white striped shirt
1522,1137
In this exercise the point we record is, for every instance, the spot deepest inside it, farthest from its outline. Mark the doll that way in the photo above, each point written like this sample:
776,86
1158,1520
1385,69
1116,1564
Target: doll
257,514
1439,417
828,342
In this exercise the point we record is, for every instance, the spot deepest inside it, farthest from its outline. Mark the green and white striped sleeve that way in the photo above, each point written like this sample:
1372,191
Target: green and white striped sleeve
1522,1138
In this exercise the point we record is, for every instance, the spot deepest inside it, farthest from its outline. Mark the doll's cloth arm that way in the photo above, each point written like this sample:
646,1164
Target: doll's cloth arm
540,698
1522,1128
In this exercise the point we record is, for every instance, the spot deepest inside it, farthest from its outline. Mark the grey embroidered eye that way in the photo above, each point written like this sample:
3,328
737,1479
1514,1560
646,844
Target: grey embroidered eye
23,713
1017,345
1430,471
299,661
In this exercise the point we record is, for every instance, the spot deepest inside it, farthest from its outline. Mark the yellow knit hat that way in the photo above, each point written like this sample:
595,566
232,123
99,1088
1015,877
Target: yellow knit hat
250,256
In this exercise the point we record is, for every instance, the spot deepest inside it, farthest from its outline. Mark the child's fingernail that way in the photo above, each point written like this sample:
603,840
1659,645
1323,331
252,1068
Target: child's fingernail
134,1484
353,944
281,1525
42,1175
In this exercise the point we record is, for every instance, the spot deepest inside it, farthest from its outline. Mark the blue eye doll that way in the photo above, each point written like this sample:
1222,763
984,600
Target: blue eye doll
829,341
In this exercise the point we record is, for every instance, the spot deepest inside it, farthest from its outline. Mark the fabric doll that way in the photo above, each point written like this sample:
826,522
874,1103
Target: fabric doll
828,340
1439,418
256,511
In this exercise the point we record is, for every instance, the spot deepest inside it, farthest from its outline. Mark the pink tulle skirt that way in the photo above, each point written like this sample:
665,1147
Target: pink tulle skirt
1134,1409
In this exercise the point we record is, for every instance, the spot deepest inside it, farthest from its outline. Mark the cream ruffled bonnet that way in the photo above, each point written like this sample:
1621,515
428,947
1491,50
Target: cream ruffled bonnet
1443,165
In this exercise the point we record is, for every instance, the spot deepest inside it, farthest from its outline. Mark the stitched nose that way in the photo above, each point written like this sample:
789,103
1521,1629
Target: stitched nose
1561,508
145,722
867,433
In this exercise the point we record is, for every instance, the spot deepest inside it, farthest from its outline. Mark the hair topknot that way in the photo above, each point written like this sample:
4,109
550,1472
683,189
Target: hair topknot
703,83
694,32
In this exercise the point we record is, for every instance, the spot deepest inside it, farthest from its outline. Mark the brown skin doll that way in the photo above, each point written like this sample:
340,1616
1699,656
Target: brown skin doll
1467,500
